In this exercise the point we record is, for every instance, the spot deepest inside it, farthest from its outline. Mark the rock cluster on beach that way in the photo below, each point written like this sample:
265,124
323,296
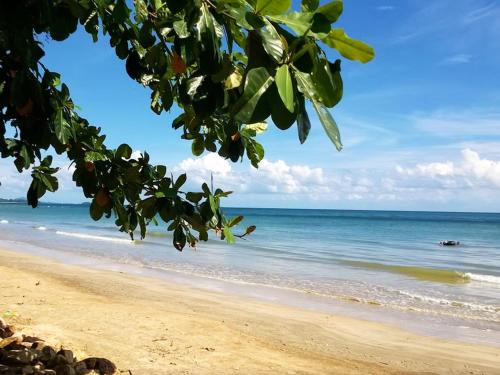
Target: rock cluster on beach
27,355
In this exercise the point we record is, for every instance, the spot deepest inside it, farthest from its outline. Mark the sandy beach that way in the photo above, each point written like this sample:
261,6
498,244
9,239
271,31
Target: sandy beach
147,326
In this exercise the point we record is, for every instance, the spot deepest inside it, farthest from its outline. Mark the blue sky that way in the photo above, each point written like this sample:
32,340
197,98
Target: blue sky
420,123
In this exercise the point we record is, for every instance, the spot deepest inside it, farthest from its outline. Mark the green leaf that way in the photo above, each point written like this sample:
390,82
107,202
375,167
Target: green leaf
194,197
272,6
61,127
24,153
122,215
320,25
235,221
285,87
250,229
351,49
303,123
208,30
179,239
180,181
257,128
63,24
255,152
235,78
298,22
228,235
329,124
141,11
148,207
49,181
158,4
121,11
306,86
257,82
176,6
123,151
94,156
160,170
309,5
181,29
198,146
328,85
281,116
156,106
35,192
271,41
332,10
122,50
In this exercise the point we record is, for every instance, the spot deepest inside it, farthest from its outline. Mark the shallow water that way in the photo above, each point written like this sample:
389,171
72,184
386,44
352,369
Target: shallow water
373,263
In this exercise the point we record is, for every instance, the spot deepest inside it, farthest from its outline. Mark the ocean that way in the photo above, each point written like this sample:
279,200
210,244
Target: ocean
380,265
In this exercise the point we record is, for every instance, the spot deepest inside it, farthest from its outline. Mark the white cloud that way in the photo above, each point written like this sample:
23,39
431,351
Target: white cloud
136,154
488,10
471,178
430,170
481,169
271,177
471,171
468,179
455,122
211,163
471,19
461,58
16,185
386,7
279,177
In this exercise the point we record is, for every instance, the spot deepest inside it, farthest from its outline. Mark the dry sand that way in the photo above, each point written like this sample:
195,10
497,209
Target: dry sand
148,326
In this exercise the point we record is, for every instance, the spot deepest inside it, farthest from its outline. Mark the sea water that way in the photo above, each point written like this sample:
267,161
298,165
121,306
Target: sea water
381,265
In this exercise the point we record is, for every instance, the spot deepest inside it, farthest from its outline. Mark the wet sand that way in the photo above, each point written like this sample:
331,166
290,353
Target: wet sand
149,326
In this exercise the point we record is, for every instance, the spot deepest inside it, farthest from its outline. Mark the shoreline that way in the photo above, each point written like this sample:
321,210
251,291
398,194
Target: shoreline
156,327
422,323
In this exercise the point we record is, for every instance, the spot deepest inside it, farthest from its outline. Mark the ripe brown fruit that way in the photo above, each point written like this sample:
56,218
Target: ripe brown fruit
89,166
178,65
102,198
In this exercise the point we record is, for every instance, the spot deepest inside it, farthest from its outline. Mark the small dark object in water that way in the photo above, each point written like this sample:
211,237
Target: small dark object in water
449,243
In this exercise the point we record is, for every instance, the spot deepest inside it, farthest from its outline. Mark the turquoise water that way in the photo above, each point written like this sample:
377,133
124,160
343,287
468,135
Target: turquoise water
370,261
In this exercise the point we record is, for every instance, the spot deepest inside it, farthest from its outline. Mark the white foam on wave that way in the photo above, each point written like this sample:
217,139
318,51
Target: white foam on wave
4,221
94,237
41,228
483,278
451,303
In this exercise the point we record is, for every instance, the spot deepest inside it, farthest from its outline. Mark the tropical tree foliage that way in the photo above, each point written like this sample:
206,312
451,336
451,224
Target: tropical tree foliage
230,65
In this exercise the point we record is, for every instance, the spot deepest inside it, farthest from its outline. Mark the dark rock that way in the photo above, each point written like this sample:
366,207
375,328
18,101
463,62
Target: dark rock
81,368
38,367
101,365
28,370
21,357
15,345
106,367
5,370
90,363
49,372
65,370
66,356
38,345
31,339
48,354
6,331
7,341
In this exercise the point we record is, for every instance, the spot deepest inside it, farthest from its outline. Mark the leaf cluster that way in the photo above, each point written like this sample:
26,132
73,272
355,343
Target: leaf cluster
230,65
